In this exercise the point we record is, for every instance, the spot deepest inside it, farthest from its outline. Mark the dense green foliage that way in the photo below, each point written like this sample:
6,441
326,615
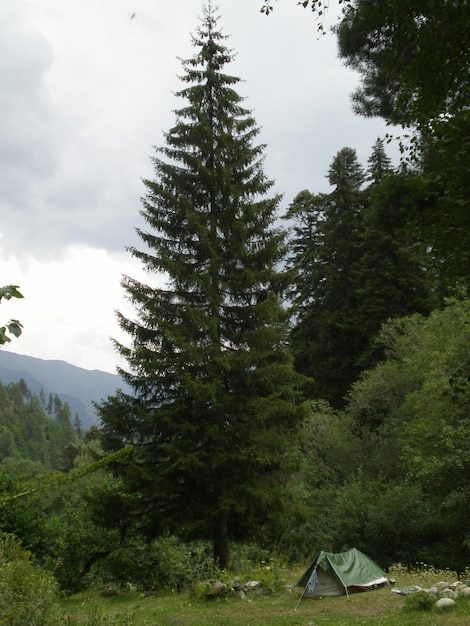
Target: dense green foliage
28,595
389,474
413,58
442,213
404,472
31,428
414,61
429,424
355,265
323,340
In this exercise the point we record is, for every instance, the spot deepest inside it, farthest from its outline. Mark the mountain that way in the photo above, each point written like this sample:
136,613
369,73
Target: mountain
75,385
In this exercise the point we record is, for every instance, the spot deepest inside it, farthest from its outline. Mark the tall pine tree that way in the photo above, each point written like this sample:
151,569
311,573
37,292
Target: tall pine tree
391,278
355,265
215,389
324,252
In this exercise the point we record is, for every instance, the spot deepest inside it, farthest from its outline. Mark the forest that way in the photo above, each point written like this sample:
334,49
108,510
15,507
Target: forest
302,381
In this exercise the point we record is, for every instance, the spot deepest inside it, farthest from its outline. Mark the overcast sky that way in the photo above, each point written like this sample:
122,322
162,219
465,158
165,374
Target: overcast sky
86,92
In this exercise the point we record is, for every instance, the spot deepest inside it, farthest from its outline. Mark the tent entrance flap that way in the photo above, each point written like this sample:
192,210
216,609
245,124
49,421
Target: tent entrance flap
312,582
326,585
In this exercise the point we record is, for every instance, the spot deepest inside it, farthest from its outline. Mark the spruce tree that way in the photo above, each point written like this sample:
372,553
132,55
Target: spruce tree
215,390
324,340
355,265
392,277
379,162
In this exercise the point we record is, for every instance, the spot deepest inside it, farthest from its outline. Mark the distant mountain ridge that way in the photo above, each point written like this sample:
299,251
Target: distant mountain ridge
75,385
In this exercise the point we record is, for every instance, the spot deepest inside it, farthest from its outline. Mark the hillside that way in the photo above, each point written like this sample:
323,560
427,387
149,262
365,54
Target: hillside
75,385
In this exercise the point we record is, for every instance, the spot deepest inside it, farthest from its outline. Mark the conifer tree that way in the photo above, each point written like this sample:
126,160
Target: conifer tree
355,265
390,279
215,389
324,341
379,162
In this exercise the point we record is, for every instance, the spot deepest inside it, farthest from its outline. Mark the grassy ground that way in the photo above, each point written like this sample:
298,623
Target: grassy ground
375,608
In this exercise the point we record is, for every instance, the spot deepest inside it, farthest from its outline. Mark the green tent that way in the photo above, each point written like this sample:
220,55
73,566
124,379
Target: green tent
339,574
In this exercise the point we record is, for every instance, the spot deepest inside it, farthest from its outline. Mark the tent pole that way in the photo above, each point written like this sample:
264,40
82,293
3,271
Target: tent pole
305,589
300,599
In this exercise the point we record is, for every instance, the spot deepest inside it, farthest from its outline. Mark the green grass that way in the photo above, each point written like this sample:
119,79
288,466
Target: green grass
375,608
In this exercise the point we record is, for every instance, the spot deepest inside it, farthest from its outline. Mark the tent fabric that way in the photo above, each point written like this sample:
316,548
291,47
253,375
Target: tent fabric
324,585
338,574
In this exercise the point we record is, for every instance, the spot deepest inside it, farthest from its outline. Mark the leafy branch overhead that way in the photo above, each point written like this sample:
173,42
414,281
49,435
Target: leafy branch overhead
60,478
318,6
13,327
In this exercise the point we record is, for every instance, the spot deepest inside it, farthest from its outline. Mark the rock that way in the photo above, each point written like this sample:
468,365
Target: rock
211,588
107,593
448,593
445,603
217,588
442,585
252,584
264,591
464,591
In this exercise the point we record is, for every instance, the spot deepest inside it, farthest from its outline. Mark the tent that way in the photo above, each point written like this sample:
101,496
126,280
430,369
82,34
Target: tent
339,574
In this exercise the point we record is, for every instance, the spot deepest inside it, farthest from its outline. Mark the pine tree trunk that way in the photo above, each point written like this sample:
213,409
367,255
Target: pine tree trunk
221,542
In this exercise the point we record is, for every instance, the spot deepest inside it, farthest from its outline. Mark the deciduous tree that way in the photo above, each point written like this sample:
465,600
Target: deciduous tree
412,412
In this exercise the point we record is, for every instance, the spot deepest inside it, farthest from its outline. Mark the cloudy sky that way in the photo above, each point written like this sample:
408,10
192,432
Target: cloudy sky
86,92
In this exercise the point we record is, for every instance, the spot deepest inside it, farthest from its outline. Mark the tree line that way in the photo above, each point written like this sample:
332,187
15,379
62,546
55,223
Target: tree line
35,427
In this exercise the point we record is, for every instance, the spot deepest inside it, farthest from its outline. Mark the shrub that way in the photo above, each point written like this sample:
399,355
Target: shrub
164,563
28,594
180,564
419,601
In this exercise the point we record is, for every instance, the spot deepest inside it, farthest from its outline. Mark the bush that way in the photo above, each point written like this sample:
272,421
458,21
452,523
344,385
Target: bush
179,564
164,563
167,563
419,601
28,594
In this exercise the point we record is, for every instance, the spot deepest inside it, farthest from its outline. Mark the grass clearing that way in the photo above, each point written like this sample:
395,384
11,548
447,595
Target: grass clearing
374,608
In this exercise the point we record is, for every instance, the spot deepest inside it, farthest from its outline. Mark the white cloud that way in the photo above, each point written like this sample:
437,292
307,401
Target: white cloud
86,93
68,310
